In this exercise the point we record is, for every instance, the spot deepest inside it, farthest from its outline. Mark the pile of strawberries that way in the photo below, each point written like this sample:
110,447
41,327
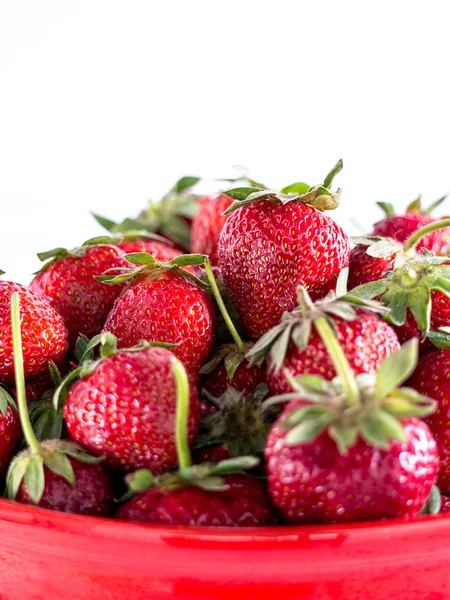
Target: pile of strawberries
233,360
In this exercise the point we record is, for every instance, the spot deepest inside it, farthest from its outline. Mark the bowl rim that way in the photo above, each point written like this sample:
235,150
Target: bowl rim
107,528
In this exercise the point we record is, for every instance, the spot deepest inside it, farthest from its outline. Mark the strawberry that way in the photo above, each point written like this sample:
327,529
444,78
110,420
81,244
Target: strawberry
244,378
10,430
123,407
206,495
171,217
352,449
374,256
273,242
68,281
401,227
56,474
44,333
432,378
164,303
295,344
140,241
418,296
445,505
207,225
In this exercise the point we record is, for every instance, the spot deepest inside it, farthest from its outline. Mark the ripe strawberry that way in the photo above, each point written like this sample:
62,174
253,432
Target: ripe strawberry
44,333
206,495
445,505
207,225
357,451
166,304
123,408
432,378
401,227
140,241
55,474
69,283
273,242
374,256
171,217
10,430
295,344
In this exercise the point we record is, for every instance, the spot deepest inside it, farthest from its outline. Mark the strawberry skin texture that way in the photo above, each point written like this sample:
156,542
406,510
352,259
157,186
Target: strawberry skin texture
364,268
10,437
313,483
168,309
445,504
44,334
266,250
70,286
125,411
432,378
401,227
93,493
244,504
366,342
207,225
160,251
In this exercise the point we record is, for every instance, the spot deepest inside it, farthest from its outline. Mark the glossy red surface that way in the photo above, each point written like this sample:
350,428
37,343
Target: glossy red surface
46,554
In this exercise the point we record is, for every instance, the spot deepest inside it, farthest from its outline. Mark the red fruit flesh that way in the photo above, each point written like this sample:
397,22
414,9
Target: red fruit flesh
244,504
364,268
125,411
366,342
313,483
207,225
10,437
432,378
169,309
267,250
44,334
160,251
401,227
93,493
70,286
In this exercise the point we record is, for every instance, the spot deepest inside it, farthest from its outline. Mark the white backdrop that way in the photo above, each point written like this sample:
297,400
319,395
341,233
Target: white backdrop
104,103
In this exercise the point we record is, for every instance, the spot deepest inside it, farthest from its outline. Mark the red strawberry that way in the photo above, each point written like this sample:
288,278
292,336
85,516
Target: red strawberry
140,241
123,408
207,225
55,474
445,505
401,227
356,452
163,304
170,217
10,430
69,283
44,333
274,242
296,346
432,378
206,495
245,379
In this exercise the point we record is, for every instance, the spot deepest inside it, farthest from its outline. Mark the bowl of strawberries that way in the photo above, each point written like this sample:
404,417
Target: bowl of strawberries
223,398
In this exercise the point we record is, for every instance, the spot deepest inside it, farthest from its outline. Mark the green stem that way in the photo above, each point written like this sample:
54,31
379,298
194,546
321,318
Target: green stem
418,235
223,309
182,414
20,377
339,360
332,174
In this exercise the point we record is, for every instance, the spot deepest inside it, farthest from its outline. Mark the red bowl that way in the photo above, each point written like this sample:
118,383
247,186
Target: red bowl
47,554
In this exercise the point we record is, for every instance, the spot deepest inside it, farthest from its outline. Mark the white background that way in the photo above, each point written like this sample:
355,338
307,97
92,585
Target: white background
105,103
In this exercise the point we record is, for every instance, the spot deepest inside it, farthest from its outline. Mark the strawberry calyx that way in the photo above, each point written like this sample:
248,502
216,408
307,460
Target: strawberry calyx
230,356
147,266
413,207
297,326
2,272
319,196
132,235
6,400
166,216
434,502
409,287
378,415
241,422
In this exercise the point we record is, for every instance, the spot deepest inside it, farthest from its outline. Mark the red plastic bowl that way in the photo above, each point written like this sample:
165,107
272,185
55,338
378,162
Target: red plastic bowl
46,554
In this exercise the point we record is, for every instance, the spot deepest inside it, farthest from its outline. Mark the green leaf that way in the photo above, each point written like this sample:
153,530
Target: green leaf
372,434
304,413
263,345
133,224
397,301
332,174
15,475
234,465
406,402
384,248
2,272
108,344
141,258
34,478
296,188
185,183
140,480
308,430
301,333
104,222
342,283
387,208
344,436
371,290
415,206
396,368
433,504
76,452
365,240
439,339
241,193
186,260
84,348
279,348
434,205
60,394
210,484
5,400
420,306
232,361
177,229
54,253
442,284
60,465
314,382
